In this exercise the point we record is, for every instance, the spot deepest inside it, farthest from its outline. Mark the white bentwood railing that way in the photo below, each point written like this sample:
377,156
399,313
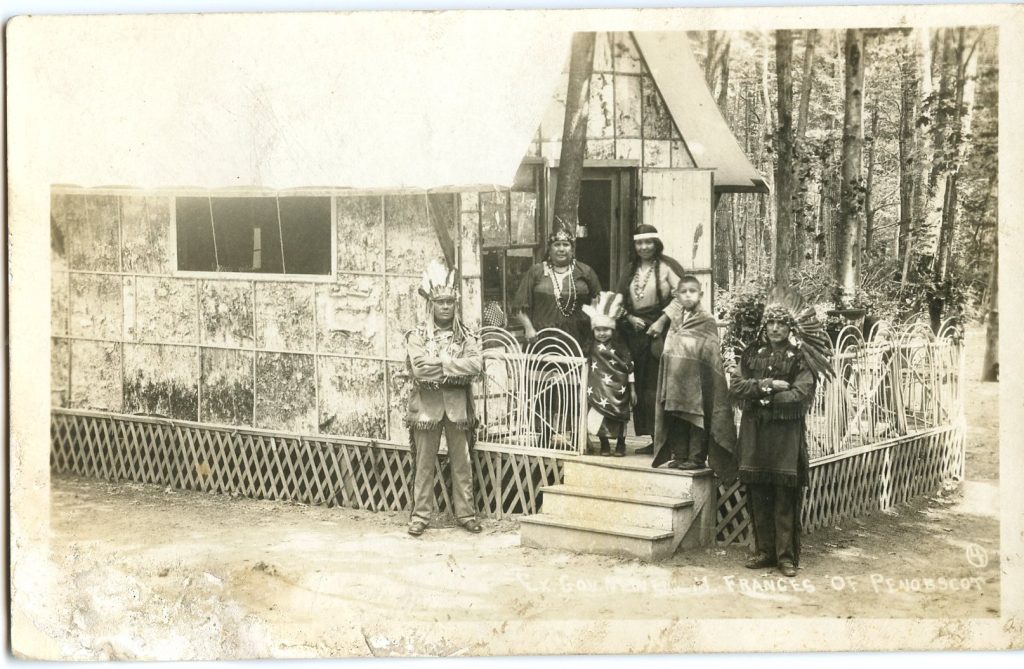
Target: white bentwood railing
533,397
900,380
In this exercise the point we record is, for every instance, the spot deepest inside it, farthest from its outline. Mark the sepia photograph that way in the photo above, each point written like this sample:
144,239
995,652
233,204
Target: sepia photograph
513,332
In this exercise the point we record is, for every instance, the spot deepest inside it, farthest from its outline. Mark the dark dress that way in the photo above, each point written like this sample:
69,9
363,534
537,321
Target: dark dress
536,297
772,445
556,412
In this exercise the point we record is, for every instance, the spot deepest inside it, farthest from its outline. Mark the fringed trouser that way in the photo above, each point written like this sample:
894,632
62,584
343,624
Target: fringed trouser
427,443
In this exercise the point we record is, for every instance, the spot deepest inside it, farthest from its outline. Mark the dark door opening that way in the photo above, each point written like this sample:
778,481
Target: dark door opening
606,218
595,212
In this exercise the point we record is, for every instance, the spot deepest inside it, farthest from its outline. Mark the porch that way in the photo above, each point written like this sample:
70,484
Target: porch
890,428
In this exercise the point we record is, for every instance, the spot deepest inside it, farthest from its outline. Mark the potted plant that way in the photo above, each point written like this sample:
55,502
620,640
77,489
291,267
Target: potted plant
847,310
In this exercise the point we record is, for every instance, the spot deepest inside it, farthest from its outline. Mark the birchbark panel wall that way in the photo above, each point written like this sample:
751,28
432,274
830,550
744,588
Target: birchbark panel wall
307,355
627,119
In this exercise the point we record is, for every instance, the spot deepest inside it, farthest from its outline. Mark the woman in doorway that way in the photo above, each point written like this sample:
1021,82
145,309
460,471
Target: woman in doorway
553,292
647,287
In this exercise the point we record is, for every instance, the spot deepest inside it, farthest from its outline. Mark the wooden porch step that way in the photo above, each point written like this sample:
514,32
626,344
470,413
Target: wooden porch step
588,536
631,509
631,475
631,498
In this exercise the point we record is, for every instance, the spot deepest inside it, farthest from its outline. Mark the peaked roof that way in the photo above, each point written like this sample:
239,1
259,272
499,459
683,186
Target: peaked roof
708,137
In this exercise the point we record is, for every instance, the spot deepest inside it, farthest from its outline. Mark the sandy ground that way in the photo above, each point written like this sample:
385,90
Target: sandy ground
150,573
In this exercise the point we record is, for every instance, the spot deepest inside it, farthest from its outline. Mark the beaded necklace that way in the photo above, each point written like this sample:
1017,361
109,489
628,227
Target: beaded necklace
640,280
556,287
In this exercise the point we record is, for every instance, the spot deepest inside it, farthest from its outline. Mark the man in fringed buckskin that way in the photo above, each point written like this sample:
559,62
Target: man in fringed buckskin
443,359
775,388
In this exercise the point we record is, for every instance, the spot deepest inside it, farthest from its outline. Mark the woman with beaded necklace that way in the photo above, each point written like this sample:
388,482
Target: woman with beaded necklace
553,292
647,287
551,295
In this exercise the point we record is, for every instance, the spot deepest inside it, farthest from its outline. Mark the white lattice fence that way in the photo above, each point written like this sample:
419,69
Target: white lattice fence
860,481
367,475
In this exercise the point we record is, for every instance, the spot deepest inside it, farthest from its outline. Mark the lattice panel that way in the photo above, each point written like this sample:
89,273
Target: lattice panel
376,477
882,478
857,484
733,520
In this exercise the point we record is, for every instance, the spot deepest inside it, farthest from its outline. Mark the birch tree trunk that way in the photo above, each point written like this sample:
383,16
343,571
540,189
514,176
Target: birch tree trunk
990,366
851,197
869,214
808,80
908,113
784,157
574,134
801,157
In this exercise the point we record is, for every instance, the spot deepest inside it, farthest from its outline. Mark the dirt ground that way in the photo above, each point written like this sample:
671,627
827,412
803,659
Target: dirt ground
154,573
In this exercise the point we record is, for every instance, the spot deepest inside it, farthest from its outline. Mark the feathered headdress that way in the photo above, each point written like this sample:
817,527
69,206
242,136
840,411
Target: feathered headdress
438,282
606,311
788,306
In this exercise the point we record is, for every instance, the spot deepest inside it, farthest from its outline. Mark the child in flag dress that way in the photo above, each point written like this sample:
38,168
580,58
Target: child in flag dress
611,393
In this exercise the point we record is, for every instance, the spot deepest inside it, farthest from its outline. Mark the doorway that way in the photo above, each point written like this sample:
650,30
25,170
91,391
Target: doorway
607,214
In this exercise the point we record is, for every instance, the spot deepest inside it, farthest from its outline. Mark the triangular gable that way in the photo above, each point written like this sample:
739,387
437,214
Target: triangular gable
627,118
709,138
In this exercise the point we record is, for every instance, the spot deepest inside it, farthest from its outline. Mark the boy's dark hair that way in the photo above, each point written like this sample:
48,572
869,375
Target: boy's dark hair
689,278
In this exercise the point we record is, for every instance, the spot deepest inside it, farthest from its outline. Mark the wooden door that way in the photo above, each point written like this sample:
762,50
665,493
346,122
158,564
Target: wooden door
680,203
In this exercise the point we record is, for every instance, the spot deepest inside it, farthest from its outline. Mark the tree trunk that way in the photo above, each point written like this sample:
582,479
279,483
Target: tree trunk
724,246
784,157
800,155
947,230
709,60
990,366
574,134
908,113
851,195
808,79
869,214
723,91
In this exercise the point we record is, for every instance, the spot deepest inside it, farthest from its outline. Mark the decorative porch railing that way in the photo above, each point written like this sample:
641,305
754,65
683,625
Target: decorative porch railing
899,380
533,397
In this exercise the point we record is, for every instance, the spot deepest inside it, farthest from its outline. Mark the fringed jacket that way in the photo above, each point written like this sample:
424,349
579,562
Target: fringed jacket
442,389
772,441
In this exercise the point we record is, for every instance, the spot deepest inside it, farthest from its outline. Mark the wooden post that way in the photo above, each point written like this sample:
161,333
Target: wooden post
574,134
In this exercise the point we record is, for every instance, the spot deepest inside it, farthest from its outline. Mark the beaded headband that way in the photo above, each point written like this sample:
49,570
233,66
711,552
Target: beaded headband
560,236
646,235
778,313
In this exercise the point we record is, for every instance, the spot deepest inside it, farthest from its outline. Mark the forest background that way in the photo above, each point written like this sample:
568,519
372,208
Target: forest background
880,148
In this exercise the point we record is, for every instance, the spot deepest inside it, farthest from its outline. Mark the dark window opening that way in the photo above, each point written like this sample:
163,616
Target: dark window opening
510,234
263,235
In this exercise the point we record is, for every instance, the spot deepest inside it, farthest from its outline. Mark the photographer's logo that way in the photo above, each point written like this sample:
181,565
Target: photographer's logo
976,555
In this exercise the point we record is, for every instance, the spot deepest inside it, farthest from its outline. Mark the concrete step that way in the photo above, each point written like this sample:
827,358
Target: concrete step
632,509
630,475
587,536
